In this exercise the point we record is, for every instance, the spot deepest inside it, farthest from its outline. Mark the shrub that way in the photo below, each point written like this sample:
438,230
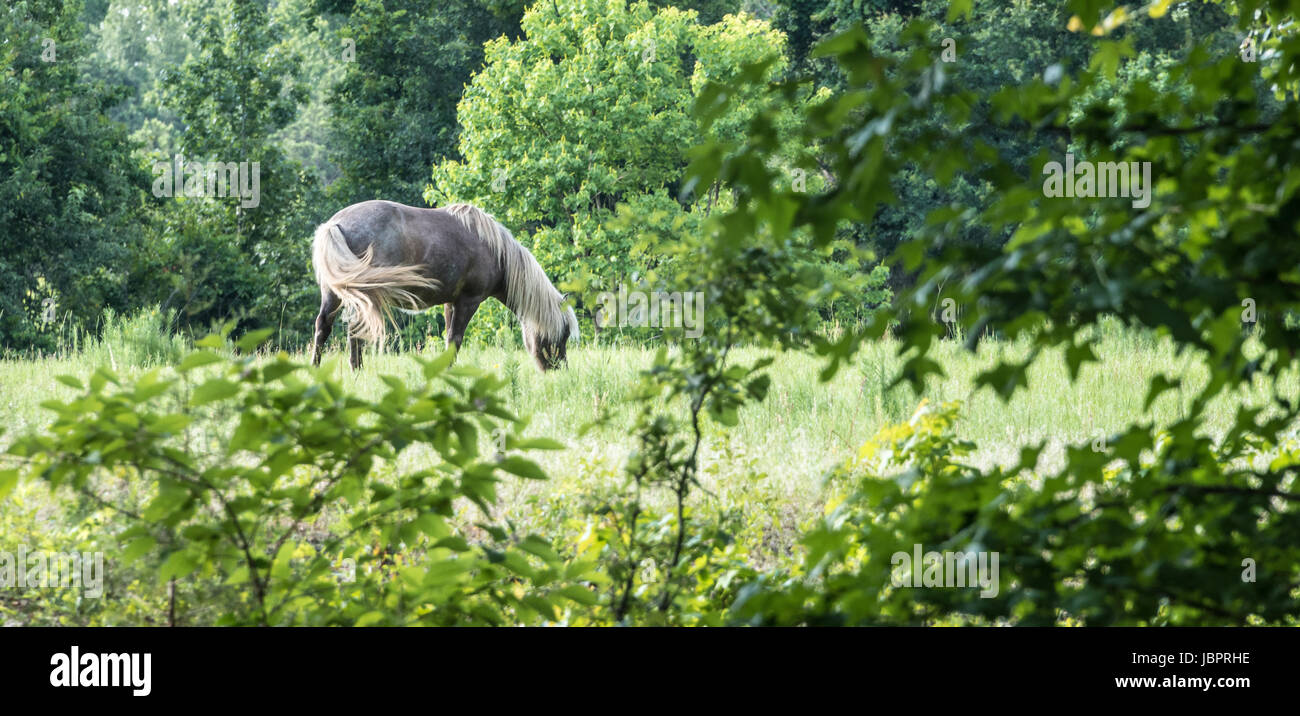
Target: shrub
1100,546
259,480
145,339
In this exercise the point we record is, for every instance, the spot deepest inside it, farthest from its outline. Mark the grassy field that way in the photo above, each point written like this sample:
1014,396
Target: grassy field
771,466
783,446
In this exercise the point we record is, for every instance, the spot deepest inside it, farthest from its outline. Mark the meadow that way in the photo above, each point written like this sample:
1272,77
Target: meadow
777,456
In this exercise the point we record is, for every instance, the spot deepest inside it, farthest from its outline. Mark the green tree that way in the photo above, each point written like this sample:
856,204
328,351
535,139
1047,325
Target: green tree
588,111
71,199
1010,43
310,35
138,43
394,110
240,87
1179,525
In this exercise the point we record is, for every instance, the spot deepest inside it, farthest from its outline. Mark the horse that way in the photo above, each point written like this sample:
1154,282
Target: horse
377,255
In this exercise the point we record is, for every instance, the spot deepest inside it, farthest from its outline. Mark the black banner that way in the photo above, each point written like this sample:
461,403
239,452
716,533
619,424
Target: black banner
213,666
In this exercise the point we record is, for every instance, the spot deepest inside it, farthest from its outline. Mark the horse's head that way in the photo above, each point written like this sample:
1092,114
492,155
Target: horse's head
550,348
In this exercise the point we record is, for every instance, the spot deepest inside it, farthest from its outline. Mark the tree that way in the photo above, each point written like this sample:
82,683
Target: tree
394,110
242,256
71,198
310,34
1009,43
1183,524
590,111
138,42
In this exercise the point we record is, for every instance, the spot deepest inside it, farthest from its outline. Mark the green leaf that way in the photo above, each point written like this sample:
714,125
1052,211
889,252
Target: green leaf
70,381
251,340
959,7
1108,54
198,359
725,415
371,617
100,378
580,594
454,543
541,548
1003,379
212,391
138,547
8,480
439,364
540,605
212,340
540,444
278,370
1158,385
179,564
1076,356
170,424
522,467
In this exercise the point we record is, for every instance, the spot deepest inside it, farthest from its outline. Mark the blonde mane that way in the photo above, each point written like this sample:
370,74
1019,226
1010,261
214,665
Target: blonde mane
529,293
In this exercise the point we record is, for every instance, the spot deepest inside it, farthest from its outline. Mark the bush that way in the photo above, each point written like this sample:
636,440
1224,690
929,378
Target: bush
146,339
1100,546
261,485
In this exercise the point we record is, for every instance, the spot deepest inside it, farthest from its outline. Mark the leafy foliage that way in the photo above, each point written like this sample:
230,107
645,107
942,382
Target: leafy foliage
588,111
70,192
246,460
251,482
394,111
1109,524
1156,545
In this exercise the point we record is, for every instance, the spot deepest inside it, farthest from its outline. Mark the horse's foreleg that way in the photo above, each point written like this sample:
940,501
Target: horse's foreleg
458,316
354,352
329,308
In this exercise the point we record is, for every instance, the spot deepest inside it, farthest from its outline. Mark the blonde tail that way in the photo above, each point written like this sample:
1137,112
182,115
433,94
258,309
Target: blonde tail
366,291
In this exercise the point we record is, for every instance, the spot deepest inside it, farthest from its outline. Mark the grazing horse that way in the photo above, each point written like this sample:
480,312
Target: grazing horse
377,255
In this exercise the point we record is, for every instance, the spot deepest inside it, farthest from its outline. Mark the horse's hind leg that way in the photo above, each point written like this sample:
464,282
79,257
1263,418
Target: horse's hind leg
354,351
329,309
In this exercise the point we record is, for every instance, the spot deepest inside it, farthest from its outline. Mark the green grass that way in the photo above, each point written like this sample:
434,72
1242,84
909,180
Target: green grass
771,464
783,446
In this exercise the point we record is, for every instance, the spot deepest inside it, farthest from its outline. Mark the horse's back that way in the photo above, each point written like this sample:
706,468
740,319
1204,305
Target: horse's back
399,233
433,239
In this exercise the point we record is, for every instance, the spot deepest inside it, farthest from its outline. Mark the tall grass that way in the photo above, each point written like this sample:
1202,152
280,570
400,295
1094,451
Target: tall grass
783,445
144,340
